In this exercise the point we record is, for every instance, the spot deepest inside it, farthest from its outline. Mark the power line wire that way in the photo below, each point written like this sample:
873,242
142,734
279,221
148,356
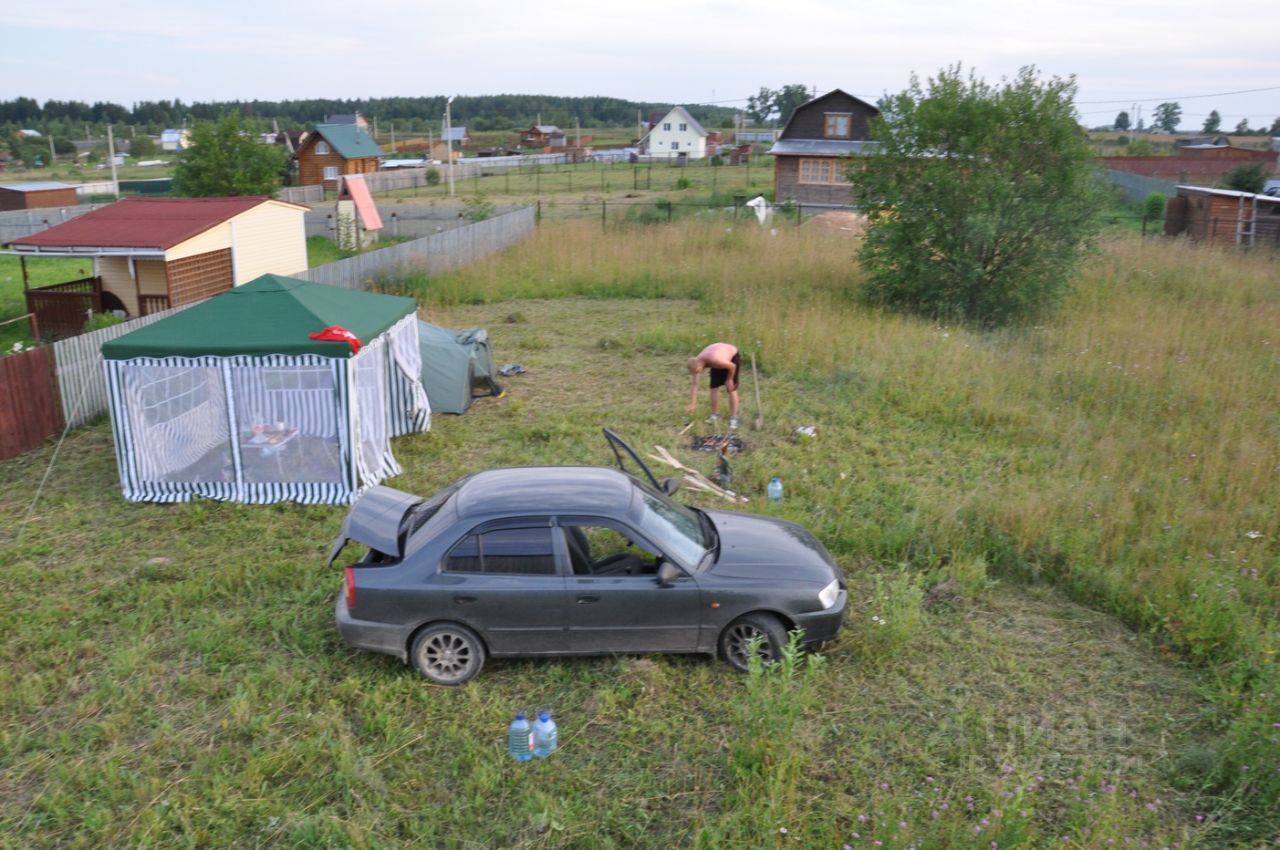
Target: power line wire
1132,100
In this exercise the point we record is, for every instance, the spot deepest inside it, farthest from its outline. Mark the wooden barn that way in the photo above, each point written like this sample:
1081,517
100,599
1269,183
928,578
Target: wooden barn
1224,217
543,136
31,196
814,148
149,254
331,151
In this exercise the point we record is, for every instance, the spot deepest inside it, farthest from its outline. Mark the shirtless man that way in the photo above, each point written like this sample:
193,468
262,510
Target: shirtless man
724,361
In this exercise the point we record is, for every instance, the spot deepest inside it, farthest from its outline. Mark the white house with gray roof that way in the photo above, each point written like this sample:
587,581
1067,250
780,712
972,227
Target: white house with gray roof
676,134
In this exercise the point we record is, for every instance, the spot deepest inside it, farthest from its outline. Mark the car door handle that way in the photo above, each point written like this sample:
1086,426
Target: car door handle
583,600
464,600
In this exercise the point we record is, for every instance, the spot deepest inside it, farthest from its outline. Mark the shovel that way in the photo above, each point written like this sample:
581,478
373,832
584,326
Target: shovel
755,382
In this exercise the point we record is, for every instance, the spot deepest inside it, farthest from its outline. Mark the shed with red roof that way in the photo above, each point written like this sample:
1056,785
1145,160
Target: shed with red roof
150,254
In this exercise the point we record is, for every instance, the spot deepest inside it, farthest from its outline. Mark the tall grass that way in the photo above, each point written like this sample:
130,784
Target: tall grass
1128,451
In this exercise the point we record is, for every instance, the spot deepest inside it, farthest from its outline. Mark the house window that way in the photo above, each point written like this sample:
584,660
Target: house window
837,125
331,172
675,146
822,171
666,126
684,127
322,147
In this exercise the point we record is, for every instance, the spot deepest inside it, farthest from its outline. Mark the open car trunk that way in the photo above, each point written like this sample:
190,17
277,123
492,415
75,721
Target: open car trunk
377,520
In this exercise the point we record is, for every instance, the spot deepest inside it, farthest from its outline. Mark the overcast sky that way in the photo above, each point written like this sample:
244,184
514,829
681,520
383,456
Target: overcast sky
1122,52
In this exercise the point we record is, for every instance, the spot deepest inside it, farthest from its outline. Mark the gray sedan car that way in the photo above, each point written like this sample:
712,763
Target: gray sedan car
575,560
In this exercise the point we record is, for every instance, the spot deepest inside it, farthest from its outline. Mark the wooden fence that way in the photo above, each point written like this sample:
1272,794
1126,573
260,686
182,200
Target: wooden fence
301,194
28,413
430,254
63,308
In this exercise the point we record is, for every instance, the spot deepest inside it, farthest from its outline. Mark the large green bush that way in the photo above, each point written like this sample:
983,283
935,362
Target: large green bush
980,197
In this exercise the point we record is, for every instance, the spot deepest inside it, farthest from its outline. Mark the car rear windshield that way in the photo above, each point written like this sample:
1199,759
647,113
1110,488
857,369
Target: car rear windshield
673,527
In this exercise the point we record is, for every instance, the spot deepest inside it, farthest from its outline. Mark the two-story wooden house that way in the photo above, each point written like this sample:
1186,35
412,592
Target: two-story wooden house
814,148
331,151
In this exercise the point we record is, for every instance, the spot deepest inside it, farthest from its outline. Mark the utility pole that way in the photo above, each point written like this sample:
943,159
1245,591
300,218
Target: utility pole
111,156
448,138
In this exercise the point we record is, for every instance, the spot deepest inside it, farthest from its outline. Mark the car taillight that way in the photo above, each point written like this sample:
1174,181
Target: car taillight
351,588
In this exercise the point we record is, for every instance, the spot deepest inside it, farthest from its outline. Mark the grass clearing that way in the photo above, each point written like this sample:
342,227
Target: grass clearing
172,677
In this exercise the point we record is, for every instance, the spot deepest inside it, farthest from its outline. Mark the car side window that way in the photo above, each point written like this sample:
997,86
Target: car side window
504,551
598,548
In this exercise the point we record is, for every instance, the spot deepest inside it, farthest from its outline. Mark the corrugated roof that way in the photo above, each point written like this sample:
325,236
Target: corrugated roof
37,186
158,223
349,140
822,147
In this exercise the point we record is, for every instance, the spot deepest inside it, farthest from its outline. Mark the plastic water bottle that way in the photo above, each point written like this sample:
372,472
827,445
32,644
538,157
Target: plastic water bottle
775,489
545,735
520,739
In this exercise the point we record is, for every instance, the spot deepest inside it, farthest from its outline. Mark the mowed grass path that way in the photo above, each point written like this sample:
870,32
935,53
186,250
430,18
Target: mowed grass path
171,675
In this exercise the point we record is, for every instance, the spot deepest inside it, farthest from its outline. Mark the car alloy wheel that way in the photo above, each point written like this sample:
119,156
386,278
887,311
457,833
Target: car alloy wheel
448,654
737,639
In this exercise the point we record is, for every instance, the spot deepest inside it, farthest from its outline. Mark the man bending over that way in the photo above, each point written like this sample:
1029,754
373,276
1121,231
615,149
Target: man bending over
724,362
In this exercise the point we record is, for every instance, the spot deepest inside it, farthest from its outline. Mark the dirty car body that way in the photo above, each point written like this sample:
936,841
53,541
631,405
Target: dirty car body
575,560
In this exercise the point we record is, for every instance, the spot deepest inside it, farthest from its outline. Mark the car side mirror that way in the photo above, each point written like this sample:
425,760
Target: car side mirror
670,485
668,573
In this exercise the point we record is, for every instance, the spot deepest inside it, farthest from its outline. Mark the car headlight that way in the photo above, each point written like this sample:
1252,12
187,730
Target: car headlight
829,594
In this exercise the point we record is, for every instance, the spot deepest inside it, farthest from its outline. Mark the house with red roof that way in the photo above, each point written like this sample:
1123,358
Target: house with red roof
150,254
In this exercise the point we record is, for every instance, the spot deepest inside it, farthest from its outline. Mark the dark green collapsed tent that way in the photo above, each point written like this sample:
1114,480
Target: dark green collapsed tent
455,365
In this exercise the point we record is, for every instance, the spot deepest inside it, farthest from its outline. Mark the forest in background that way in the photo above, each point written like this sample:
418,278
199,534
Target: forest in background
409,114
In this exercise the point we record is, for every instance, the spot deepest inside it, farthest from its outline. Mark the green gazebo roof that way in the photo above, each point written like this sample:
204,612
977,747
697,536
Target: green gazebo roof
269,315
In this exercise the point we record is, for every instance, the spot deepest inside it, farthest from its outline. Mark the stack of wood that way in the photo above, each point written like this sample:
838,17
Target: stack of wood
694,479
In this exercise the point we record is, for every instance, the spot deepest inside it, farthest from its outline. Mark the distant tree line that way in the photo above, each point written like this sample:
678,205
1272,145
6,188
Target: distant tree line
409,114
1167,116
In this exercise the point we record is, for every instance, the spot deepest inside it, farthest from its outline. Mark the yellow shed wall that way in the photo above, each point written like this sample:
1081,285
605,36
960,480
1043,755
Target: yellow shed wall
271,238
151,278
214,239
116,279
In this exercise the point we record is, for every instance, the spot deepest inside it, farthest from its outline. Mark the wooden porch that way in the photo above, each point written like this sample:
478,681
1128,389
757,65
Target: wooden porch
63,309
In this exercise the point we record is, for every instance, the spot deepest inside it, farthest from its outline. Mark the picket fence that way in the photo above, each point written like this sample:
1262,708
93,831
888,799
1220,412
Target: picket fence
432,254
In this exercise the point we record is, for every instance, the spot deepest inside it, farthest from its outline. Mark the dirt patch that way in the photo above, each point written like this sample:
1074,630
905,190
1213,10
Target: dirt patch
838,221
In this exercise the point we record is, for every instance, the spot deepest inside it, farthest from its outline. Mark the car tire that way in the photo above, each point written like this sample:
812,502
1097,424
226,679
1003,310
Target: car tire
447,653
735,640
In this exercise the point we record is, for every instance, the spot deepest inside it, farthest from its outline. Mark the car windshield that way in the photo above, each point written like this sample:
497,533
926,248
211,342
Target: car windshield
673,527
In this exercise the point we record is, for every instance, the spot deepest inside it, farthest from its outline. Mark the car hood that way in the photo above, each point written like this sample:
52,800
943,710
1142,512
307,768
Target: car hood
753,546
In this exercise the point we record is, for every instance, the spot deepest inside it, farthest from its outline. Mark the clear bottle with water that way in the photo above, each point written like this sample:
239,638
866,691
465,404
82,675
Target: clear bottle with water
545,735
775,489
520,739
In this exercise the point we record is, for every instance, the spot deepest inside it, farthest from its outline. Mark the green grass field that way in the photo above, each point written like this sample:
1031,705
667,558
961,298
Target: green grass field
1061,545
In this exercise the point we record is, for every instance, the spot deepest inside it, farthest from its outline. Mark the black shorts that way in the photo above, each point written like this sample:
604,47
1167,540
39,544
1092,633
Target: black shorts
719,376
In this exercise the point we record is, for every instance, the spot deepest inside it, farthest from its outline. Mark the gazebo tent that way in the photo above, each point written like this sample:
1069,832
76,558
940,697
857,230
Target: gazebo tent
232,399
